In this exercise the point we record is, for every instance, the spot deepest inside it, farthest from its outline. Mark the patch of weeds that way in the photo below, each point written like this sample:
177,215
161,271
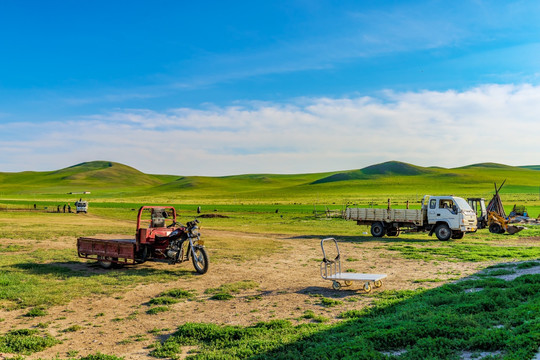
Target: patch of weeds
100,356
157,331
157,310
99,314
527,265
43,325
350,270
26,341
233,287
132,316
310,315
72,328
351,314
351,259
163,300
16,357
253,297
179,294
133,338
72,353
222,296
328,302
12,248
497,272
35,312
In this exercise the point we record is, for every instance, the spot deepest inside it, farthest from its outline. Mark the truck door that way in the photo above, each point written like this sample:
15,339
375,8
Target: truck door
432,211
448,212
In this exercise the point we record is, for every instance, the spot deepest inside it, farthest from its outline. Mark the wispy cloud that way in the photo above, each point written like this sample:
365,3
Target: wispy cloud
309,135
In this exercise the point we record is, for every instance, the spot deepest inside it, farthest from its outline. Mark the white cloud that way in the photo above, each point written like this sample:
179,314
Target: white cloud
488,123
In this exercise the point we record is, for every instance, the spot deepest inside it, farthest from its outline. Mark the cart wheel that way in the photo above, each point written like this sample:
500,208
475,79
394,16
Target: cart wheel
105,262
378,283
336,285
367,287
348,283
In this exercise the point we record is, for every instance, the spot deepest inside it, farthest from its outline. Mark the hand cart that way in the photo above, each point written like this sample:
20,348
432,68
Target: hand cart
331,270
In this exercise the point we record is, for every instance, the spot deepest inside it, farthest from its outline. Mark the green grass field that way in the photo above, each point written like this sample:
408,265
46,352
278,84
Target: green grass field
39,267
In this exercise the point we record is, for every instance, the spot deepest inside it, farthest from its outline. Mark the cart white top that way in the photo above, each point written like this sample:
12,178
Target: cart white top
356,277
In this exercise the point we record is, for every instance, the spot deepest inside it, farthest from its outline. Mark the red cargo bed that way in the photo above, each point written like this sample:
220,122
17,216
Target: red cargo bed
116,250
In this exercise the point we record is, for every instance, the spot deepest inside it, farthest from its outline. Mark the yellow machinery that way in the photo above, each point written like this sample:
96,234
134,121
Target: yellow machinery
499,225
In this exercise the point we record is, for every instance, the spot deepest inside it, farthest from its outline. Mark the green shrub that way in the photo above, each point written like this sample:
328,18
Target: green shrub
100,356
179,294
35,312
26,341
222,296
327,302
163,300
157,310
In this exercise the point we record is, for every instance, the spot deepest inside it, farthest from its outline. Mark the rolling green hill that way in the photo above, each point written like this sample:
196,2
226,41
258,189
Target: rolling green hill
117,182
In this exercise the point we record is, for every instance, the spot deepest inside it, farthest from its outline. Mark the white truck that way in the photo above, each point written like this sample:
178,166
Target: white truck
446,216
81,206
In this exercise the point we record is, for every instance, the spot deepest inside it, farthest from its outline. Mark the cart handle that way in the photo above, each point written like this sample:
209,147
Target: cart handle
324,253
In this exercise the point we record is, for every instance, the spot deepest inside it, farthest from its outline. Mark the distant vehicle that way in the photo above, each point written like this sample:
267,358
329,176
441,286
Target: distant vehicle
81,206
446,216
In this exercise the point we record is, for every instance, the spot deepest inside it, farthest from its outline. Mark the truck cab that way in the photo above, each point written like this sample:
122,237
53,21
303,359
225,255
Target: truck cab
449,216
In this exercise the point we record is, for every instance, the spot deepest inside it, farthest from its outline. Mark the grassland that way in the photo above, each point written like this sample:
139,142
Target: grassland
113,182
498,319
485,316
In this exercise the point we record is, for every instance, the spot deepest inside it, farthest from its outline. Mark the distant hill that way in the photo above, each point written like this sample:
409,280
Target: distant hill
531,167
488,165
85,176
105,172
384,169
111,180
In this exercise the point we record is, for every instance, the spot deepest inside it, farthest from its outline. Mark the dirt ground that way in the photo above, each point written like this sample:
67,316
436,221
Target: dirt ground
289,284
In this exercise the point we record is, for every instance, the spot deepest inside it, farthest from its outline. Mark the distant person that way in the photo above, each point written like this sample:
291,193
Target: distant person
57,208
198,209
64,208
34,206
69,208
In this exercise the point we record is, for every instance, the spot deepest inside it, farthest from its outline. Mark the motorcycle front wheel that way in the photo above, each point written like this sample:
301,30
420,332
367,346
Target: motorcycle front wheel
200,260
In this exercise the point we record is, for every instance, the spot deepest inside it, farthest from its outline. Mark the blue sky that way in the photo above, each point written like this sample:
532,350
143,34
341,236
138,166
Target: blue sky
220,88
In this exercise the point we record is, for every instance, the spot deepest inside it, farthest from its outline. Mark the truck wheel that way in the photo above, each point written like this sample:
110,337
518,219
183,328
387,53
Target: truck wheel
200,260
377,229
458,235
443,232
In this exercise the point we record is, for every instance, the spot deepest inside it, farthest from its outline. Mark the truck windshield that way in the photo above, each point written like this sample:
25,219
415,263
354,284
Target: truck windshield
462,204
